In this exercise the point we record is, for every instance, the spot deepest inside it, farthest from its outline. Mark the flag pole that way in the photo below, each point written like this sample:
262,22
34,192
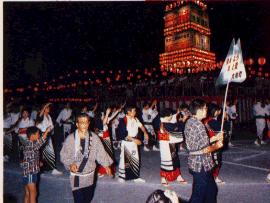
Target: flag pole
224,104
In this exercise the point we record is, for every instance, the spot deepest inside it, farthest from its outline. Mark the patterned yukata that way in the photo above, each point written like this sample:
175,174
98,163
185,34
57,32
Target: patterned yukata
48,154
170,164
148,116
64,115
93,152
129,164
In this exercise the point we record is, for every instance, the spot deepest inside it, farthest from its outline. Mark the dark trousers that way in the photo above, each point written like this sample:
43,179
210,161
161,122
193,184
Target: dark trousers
204,188
84,195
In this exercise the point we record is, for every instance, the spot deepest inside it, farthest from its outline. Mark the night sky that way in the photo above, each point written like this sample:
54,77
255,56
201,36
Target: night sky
44,40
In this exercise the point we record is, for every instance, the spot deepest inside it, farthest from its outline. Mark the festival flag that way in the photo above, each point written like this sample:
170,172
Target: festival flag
233,69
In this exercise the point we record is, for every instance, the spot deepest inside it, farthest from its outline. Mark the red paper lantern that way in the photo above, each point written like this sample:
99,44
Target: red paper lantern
261,61
137,70
102,72
131,74
86,82
259,73
108,80
138,76
128,78
149,74
68,75
266,74
130,83
79,82
35,89
249,76
110,71
145,79
85,72
154,69
93,72
260,69
53,80
250,61
145,70
128,71
45,83
249,68
76,71
252,72
156,76
37,84
119,71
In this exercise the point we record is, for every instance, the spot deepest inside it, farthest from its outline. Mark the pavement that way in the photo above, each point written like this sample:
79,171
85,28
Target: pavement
244,169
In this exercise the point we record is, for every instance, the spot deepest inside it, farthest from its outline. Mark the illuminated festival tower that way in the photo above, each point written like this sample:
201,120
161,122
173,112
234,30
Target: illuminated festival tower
187,41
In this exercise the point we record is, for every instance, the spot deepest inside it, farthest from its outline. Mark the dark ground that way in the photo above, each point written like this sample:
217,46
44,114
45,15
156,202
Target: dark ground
245,167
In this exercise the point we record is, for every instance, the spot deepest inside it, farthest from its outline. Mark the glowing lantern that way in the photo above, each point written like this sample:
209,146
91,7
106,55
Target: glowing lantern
250,61
45,83
249,76
53,80
91,82
37,84
61,77
145,70
29,86
93,72
35,89
252,72
259,73
110,71
249,68
131,74
261,61
79,82
145,79
260,69
137,70
97,80
154,69
119,71
86,82
102,72
108,80
76,71
156,76
128,71
130,83
266,74
149,74
68,75
85,72
128,78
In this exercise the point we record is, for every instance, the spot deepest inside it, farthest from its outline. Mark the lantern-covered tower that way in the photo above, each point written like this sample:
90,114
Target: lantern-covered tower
187,38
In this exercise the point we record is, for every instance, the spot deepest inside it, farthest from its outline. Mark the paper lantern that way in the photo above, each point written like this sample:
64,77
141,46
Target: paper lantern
138,76
86,82
149,74
162,68
37,84
68,75
259,73
85,72
35,89
128,78
266,74
102,72
261,61
111,72
252,72
249,68
128,71
250,61
249,76
93,72
119,71
260,69
137,70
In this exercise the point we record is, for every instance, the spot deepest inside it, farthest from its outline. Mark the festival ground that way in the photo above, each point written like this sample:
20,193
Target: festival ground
244,170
